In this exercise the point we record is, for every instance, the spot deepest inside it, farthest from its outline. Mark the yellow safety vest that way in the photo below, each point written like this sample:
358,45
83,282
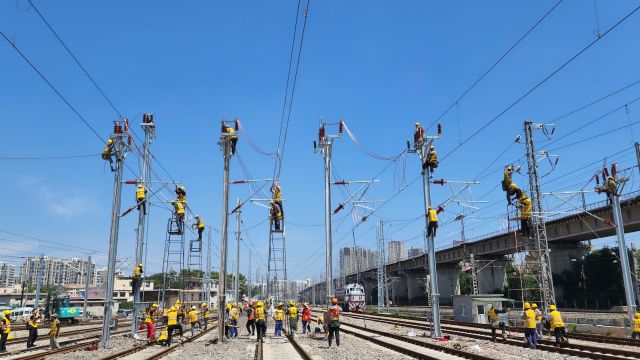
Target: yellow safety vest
526,208
232,132
556,320
529,319
293,312
7,326
193,316
179,208
140,193
164,335
433,216
234,314
260,313
172,317
277,194
493,316
432,156
279,314
137,271
55,328
205,313
33,324
200,224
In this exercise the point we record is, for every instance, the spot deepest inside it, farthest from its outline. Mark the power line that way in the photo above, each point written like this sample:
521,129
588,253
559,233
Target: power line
76,60
3,157
552,74
495,64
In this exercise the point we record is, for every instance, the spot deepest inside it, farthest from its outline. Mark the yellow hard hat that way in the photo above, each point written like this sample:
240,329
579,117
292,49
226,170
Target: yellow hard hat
527,305
534,306
271,202
638,315
513,186
553,307
173,308
181,187
154,305
109,141
228,306
7,312
292,303
234,305
178,302
204,304
259,304
139,185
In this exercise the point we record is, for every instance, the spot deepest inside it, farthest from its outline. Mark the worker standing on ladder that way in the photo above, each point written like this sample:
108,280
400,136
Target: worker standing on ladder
181,195
276,214
141,194
200,226
108,153
610,187
179,213
433,222
431,162
524,203
136,278
205,316
277,196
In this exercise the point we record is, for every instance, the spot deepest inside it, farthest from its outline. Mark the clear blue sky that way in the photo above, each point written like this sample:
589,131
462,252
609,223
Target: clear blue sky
380,66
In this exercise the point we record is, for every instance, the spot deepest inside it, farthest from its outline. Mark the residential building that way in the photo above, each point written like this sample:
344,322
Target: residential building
7,275
56,271
396,251
352,258
413,252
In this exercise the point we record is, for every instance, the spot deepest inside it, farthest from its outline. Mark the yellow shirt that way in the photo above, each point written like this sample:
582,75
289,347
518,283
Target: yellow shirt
200,224
260,314
234,314
278,315
193,316
525,208
140,193
7,325
179,208
172,317
55,328
293,312
529,319
556,320
493,316
433,215
205,313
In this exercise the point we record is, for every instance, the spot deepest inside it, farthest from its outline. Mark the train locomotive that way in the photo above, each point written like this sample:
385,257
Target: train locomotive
351,298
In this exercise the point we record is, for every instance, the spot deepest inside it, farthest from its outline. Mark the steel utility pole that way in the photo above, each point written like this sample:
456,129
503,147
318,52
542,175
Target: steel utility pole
422,145
622,248
149,133
382,293
36,303
225,145
324,147
87,280
206,284
237,264
120,130
636,145
547,292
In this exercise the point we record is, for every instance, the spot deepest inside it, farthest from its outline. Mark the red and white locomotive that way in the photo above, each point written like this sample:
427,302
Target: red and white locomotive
351,298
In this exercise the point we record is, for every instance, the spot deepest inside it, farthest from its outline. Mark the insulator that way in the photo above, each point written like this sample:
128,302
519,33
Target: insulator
614,170
340,127
236,124
439,129
597,180
321,133
605,174
223,128
131,182
126,125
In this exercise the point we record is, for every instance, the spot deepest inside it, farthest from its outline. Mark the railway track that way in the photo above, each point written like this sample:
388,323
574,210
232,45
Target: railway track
23,339
582,350
259,355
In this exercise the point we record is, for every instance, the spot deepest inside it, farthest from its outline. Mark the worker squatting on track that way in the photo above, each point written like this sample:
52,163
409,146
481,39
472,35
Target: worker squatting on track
533,319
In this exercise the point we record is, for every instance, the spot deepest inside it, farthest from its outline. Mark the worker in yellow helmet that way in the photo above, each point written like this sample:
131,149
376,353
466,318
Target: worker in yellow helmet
193,320
535,309
494,320
172,324
234,314
277,196
432,226
636,326
431,161
227,320
54,332
108,152
136,278
5,329
200,227
292,311
278,317
141,195
178,209
205,315
181,195
529,317
507,181
525,216
557,325
149,322
232,137
261,321
276,215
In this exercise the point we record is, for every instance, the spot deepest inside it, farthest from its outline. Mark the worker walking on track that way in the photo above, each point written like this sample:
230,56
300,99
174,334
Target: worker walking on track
557,325
54,332
636,326
32,326
5,329
141,195
205,315
200,226
535,309
149,322
278,317
293,318
172,324
494,319
306,318
251,319
261,321
333,315
529,317
108,153
433,222
234,314
193,320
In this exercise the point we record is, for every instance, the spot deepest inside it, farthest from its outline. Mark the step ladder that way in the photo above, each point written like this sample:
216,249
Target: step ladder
277,285
173,259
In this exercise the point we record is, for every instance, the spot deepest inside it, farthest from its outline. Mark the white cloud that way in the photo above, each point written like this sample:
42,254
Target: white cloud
65,202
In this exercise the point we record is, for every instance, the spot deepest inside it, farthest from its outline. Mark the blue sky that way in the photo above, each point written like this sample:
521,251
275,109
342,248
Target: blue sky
379,66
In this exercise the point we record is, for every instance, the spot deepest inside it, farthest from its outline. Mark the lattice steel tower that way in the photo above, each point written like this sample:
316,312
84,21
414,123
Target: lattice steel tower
538,262
277,267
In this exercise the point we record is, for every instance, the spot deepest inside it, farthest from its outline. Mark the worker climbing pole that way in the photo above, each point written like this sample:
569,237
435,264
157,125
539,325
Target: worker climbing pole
227,143
613,186
324,147
423,146
143,187
115,152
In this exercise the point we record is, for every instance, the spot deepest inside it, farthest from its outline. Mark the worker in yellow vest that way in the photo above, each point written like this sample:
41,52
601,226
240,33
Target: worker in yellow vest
277,196
261,321
636,326
432,226
108,153
431,161
205,316
200,225
141,194
233,138
54,332
178,208
278,316
293,318
5,329
234,314
535,309
149,322
557,325
193,320
172,324
32,326
495,322
525,216
529,317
